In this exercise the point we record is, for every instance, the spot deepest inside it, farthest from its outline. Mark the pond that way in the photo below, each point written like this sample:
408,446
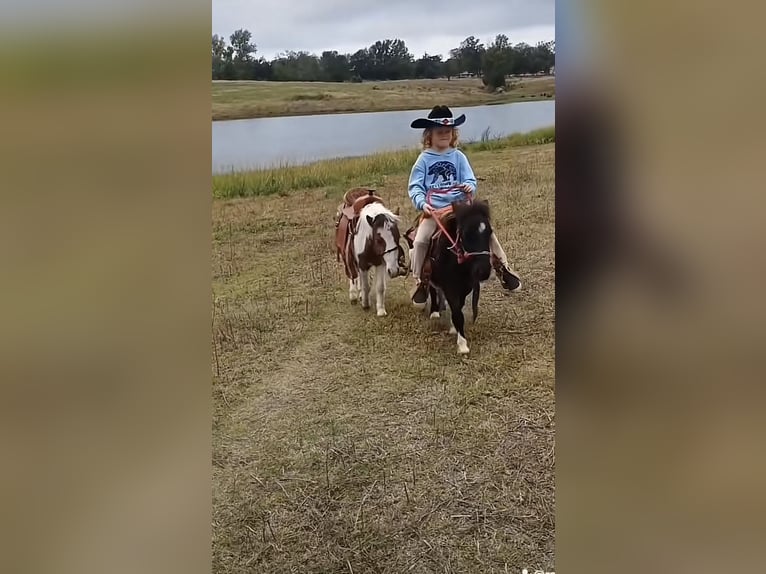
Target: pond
267,142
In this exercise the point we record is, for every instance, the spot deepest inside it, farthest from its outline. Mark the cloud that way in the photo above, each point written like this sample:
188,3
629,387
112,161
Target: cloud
348,25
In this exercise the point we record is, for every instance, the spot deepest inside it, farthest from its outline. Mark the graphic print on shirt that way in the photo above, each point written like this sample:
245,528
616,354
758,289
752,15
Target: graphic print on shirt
444,173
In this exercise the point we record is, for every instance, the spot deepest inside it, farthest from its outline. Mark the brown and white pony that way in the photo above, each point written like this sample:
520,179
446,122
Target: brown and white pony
376,245
367,237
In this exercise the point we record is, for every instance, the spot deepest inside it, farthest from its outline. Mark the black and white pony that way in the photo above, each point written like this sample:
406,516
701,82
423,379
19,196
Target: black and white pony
459,259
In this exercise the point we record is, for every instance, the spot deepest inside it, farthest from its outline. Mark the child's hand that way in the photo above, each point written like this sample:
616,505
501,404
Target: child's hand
427,209
466,187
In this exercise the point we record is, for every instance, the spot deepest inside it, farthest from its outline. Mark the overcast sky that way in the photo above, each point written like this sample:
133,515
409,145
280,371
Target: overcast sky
348,25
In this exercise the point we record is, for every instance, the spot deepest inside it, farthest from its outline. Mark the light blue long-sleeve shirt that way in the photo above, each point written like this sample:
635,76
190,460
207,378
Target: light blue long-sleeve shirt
437,171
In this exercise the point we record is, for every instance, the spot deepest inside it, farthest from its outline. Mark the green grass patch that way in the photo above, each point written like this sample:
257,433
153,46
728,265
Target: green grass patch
282,179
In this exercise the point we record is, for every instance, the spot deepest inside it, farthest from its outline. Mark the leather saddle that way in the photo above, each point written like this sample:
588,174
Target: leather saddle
445,214
346,217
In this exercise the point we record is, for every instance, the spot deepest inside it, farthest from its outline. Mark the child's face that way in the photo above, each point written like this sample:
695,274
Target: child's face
441,137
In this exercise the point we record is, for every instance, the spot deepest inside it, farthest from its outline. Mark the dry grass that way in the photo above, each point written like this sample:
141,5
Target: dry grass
344,442
236,100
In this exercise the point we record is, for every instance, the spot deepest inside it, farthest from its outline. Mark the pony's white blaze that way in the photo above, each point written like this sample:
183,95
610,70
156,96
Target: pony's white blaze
364,231
482,227
392,257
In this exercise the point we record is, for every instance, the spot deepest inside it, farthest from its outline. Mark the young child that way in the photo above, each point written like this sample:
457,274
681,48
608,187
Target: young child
441,166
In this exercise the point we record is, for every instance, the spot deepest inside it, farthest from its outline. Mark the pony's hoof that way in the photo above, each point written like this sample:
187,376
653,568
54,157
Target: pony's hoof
365,306
382,313
434,315
419,306
462,345
452,330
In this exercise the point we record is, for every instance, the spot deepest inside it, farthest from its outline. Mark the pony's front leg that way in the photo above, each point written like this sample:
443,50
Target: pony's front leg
458,322
364,279
380,289
353,290
435,307
452,329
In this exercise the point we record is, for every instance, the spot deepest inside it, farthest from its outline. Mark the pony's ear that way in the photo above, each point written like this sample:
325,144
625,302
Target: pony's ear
396,211
370,220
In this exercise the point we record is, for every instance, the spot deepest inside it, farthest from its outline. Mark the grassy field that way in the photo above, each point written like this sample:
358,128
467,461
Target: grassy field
347,171
236,100
348,443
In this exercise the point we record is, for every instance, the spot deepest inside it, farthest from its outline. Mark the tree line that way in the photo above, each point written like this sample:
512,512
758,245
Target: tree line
384,60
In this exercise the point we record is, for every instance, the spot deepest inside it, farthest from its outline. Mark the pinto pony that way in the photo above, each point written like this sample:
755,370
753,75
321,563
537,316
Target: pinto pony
367,236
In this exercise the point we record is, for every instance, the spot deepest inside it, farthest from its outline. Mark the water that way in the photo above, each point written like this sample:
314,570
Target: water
265,142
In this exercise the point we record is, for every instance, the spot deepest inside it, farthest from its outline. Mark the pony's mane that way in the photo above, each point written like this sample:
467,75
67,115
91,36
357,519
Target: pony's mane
376,208
464,211
373,210
474,208
460,215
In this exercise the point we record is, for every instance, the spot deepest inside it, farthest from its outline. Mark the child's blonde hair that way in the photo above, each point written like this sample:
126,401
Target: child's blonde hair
429,131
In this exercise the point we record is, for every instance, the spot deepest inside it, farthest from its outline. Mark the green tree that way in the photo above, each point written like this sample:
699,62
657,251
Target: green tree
543,57
260,69
296,67
335,67
469,55
242,53
428,66
219,46
451,68
243,48
389,60
228,71
361,65
218,56
522,61
497,62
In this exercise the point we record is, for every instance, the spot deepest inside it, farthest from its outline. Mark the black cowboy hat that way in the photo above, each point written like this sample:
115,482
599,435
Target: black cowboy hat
438,116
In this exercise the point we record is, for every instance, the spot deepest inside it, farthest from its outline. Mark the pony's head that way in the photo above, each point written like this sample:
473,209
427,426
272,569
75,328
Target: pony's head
385,239
474,230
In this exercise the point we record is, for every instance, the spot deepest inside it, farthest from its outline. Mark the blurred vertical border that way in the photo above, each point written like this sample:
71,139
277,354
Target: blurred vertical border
105,356
659,269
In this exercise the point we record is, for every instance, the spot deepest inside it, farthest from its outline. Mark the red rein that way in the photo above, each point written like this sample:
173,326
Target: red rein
461,256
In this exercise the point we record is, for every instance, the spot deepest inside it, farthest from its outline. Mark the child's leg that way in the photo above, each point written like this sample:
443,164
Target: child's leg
508,277
497,250
426,229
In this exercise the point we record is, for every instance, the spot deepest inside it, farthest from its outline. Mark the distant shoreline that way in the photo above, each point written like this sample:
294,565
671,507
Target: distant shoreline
258,99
